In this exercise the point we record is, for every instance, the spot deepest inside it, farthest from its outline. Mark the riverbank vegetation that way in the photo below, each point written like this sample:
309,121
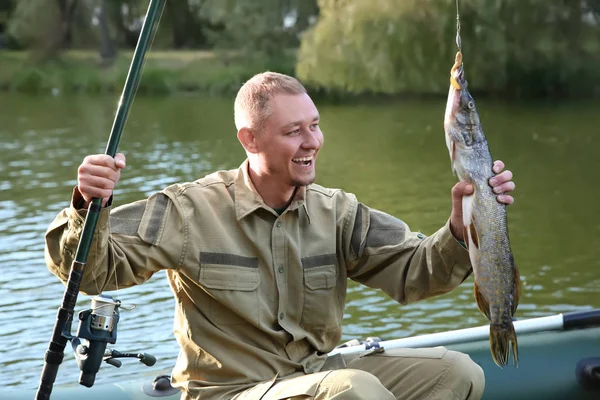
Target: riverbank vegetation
165,72
512,48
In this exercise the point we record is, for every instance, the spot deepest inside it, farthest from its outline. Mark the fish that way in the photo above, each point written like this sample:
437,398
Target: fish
497,282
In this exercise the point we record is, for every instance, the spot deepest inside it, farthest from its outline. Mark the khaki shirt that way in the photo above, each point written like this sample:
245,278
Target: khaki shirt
257,294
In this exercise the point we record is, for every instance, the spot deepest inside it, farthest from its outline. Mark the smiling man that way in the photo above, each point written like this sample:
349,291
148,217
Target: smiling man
258,259
281,137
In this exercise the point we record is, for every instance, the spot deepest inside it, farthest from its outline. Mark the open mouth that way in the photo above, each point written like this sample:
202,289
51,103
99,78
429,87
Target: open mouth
303,161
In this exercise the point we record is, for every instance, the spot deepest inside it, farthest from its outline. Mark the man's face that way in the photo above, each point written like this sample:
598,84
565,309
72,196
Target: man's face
290,140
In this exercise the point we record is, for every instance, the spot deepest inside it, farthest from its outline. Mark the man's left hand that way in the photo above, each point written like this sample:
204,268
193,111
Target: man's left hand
501,184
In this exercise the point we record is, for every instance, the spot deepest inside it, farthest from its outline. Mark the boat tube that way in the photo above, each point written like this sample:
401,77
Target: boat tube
559,358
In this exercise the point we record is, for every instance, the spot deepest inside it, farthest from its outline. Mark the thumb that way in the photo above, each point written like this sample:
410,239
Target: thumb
459,190
120,161
456,223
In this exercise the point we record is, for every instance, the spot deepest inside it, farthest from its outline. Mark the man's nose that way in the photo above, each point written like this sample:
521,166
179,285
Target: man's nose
313,139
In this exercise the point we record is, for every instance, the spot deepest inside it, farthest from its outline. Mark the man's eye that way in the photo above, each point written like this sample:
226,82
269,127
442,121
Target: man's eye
314,126
294,132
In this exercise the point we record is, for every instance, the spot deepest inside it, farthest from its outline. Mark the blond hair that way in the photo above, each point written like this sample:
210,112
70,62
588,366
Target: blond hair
251,107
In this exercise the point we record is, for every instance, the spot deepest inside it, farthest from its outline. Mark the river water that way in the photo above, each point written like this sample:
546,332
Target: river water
391,154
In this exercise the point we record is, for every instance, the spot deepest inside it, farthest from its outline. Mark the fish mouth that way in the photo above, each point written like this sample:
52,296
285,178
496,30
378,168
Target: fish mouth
451,124
458,84
452,106
457,78
457,73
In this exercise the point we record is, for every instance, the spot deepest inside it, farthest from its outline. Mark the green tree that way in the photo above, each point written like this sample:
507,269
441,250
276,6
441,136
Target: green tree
306,12
6,8
187,24
47,26
126,17
253,28
108,48
516,47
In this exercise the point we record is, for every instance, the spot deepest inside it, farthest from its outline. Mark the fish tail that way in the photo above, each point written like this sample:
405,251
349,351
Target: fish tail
502,338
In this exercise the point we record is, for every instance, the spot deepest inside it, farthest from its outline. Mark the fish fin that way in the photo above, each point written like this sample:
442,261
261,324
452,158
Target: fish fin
474,235
502,338
453,156
482,303
516,291
515,346
470,232
467,210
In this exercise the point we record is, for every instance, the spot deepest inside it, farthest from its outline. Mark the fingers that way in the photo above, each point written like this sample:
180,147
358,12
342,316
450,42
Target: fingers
98,167
458,191
498,166
505,199
462,189
98,175
93,186
504,176
106,161
504,188
501,184
120,160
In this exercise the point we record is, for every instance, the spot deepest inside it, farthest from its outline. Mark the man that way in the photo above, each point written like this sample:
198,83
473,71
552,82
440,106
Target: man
258,260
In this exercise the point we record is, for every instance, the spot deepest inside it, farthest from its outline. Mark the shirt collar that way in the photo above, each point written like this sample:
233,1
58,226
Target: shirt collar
247,199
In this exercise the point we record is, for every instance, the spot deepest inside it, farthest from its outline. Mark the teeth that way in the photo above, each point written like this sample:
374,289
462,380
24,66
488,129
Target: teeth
302,159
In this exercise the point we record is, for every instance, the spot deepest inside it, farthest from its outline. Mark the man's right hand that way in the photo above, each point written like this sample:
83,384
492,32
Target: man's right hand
98,175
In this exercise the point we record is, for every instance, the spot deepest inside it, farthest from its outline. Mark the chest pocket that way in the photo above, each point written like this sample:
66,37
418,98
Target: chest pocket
232,282
322,308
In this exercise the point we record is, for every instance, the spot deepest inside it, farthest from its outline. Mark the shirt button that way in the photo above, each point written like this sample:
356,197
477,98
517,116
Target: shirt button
278,224
420,235
280,269
281,315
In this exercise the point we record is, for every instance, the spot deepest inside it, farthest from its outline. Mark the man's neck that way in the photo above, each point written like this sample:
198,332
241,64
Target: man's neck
272,193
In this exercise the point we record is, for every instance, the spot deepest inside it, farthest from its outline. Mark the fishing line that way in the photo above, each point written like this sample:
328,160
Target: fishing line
121,306
458,41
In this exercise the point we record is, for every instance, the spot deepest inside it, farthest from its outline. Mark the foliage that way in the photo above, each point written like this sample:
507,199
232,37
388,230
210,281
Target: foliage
511,47
28,25
164,73
515,47
254,29
250,26
45,26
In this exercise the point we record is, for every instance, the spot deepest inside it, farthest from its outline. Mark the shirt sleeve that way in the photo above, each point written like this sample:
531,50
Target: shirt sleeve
129,243
383,253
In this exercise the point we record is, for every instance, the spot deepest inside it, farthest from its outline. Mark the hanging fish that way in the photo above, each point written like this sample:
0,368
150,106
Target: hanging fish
497,283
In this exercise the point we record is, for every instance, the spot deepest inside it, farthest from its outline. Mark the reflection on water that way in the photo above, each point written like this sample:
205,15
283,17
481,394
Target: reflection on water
391,155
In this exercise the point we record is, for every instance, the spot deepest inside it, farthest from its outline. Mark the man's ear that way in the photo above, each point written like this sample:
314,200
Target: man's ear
247,138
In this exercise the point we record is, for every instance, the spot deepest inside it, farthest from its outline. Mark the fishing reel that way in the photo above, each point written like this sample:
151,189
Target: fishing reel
97,328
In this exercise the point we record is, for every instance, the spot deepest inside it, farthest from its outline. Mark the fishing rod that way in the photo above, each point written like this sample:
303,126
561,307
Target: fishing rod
98,325
563,322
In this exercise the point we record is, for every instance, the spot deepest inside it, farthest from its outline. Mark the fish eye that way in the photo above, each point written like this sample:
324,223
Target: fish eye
471,105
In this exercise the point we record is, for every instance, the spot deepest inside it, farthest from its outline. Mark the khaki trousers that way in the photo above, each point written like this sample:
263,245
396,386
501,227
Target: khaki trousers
407,374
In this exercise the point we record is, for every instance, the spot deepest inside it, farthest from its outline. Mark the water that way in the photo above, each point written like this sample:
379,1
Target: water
392,155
